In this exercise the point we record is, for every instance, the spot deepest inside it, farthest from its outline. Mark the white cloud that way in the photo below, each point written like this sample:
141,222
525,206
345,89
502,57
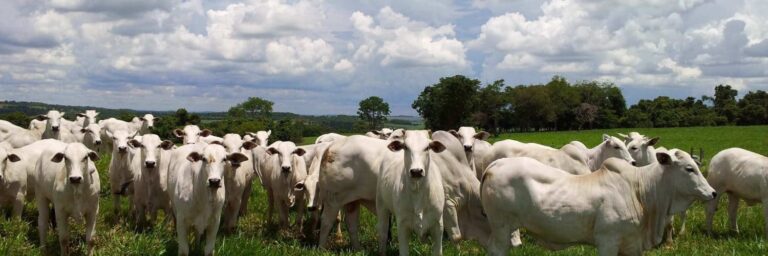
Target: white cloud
298,55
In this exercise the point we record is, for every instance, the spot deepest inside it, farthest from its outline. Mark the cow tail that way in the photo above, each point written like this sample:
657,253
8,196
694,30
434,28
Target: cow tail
486,175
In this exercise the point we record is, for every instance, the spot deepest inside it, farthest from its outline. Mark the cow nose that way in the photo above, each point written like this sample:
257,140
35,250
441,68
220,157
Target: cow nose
214,182
633,163
98,142
468,148
286,169
55,128
312,208
417,173
299,186
150,164
122,149
75,179
714,195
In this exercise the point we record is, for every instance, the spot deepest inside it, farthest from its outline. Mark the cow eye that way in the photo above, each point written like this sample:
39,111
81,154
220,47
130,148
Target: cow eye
616,147
634,148
690,169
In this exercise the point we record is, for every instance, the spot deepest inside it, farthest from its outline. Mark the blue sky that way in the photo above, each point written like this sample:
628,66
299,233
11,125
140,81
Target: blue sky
322,57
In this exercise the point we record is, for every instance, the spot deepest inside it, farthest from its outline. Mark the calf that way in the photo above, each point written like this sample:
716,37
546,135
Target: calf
144,124
641,147
121,174
191,134
53,124
285,169
150,169
69,181
468,138
238,176
610,147
743,175
621,209
86,118
412,190
197,188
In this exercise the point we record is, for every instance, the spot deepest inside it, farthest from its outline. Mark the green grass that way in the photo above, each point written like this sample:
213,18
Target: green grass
255,237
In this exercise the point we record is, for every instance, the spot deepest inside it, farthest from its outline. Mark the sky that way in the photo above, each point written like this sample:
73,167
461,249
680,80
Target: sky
323,57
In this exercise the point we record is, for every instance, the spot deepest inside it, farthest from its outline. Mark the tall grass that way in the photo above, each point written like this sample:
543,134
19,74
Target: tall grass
117,236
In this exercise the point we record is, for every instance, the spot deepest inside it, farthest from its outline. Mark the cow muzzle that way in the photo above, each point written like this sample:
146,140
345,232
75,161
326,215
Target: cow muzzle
150,164
75,179
286,169
98,142
417,173
55,128
122,149
214,183
468,148
634,163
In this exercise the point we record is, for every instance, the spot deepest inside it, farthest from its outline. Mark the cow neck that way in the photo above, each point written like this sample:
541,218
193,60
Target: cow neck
655,198
593,155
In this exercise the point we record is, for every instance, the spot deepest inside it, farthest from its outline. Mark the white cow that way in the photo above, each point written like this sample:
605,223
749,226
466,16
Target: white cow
150,170
329,137
621,209
68,180
743,175
144,124
13,184
261,138
609,147
191,134
89,135
553,157
383,134
212,139
53,124
121,173
197,188
17,137
468,138
8,128
285,168
238,176
641,147
113,125
411,188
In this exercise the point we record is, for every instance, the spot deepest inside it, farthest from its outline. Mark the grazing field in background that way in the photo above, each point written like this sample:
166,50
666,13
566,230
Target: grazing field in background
255,237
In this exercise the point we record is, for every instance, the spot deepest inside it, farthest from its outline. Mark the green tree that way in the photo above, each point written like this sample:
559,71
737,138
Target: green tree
725,102
183,117
489,106
753,108
253,108
17,118
373,110
447,104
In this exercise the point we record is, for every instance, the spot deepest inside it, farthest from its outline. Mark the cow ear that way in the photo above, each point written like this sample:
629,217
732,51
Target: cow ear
41,118
194,157
249,145
454,133
178,132
142,118
13,158
134,143
237,157
157,119
81,115
93,156
652,142
606,137
623,136
664,158
84,130
217,143
395,146
57,157
269,132
436,146
205,133
378,133
109,134
299,151
482,135
166,144
272,151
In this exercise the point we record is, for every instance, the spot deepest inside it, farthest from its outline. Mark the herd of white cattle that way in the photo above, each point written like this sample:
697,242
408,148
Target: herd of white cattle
619,196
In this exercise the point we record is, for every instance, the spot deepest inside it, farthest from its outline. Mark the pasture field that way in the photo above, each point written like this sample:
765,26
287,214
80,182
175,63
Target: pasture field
116,236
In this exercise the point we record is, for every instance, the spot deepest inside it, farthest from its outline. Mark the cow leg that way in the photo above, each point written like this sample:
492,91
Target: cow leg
608,244
515,240
282,210
327,221
210,236
683,216
43,216
246,196
437,238
451,220
270,205
403,236
382,227
710,211
90,229
300,211
500,239
63,231
352,213
18,206
733,209
116,206
765,214
182,236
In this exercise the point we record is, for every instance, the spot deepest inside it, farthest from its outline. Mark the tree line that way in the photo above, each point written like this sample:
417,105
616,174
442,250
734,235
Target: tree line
559,105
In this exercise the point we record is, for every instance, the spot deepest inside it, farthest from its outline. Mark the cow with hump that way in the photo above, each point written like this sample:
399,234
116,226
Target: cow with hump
620,209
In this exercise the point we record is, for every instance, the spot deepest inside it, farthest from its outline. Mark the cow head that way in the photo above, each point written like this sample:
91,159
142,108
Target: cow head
150,146
120,140
416,146
682,171
468,135
310,186
233,144
285,152
214,158
261,138
6,157
89,116
53,119
614,147
191,134
92,131
640,147
148,120
77,161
